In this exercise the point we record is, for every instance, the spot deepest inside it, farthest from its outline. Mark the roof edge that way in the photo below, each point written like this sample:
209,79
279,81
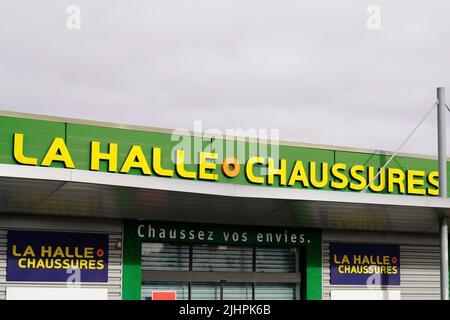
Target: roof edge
106,124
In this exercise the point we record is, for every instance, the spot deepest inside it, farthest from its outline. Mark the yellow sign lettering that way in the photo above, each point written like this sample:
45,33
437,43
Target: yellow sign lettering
434,181
29,252
298,174
314,174
396,177
181,170
252,161
19,153
136,159
58,152
342,178
110,156
414,184
272,171
156,162
355,173
205,165
381,177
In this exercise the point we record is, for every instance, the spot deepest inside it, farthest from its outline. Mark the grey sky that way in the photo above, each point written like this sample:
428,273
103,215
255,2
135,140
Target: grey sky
310,68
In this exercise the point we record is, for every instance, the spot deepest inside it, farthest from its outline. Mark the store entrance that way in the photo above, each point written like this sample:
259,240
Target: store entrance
214,272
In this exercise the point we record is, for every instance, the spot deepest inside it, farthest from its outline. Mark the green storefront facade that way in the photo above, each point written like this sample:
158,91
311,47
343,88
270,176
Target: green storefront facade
213,186
38,136
311,253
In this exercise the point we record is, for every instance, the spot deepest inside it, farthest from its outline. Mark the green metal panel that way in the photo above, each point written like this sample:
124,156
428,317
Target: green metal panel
291,154
448,178
227,235
306,155
38,136
131,274
132,243
357,158
314,269
79,139
407,163
377,161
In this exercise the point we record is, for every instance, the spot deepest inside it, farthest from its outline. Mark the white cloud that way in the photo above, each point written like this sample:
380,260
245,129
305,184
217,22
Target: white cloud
310,68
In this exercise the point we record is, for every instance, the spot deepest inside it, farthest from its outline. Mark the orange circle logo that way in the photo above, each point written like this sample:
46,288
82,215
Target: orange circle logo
100,253
231,167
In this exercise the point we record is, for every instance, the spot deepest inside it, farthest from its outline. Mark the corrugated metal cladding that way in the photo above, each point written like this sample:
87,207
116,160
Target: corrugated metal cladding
113,229
419,262
3,264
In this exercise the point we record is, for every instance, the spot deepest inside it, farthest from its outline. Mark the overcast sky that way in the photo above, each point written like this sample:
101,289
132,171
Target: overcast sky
309,68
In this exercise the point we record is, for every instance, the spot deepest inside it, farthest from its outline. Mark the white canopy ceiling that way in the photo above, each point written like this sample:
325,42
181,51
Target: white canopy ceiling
49,191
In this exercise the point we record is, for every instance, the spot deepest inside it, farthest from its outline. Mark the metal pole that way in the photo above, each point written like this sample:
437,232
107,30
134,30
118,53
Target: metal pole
444,258
442,160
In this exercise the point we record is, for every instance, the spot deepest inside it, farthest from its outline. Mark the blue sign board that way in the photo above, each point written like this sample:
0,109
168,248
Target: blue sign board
57,256
364,264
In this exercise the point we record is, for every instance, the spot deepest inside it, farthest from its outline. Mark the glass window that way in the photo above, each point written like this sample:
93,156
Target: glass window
275,260
165,257
222,258
237,291
275,291
205,291
210,272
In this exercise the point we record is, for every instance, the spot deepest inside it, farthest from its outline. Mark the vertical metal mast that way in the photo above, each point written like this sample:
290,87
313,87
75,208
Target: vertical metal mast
442,160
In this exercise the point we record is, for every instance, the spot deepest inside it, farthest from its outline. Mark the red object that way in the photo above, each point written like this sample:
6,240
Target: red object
164,295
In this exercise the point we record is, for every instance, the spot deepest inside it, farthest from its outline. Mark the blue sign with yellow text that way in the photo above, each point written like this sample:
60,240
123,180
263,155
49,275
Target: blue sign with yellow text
57,256
364,264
